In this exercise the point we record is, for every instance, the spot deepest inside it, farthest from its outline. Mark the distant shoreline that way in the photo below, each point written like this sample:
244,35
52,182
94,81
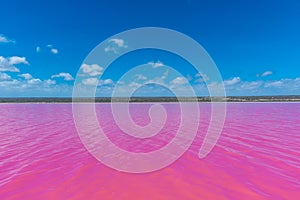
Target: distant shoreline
287,98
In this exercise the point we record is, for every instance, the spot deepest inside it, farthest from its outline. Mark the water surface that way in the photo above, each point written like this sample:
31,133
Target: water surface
256,157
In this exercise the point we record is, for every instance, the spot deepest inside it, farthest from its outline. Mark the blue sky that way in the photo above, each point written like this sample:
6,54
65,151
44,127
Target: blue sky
255,44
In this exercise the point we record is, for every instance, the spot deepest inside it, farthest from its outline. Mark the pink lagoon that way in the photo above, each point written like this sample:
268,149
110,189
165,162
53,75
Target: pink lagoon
256,157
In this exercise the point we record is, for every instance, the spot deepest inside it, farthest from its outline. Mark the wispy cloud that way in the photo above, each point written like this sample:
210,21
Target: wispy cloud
115,45
66,76
156,64
189,77
4,39
119,42
266,73
38,49
275,84
165,74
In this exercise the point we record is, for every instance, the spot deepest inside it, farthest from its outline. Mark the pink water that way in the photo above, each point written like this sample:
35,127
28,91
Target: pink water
256,157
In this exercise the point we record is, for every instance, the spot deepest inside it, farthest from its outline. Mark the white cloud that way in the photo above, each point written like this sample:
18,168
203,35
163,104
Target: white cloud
266,73
91,70
33,87
96,82
120,82
160,80
106,82
134,85
115,45
141,77
38,49
276,87
189,77
179,81
90,81
156,80
8,68
14,60
201,77
34,81
8,84
38,87
4,77
38,83
66,76
274,83
232,81
54,51
156,64
50,82
250,85
118,42
26,76
23,86
110,49
4,39
8,64
165,74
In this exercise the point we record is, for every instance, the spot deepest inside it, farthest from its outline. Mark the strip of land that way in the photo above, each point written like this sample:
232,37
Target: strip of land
287,98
